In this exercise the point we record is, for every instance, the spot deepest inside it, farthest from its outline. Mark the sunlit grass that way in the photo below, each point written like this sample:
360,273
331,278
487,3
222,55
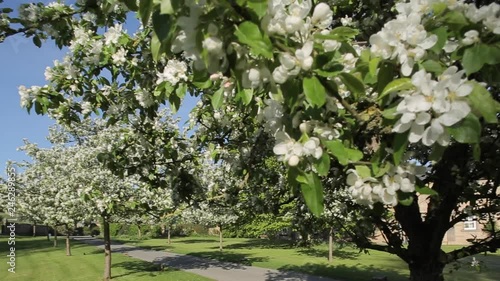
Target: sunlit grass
38,260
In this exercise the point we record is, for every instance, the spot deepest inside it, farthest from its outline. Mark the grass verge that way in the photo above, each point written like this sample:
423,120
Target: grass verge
38,260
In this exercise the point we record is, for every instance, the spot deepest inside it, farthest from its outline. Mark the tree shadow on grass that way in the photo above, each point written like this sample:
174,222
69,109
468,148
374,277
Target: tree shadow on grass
137,266
193,241
154,248
94,252
323,253
261,243
357,272
205,260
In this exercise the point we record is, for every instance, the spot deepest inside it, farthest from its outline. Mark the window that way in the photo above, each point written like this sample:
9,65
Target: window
470,224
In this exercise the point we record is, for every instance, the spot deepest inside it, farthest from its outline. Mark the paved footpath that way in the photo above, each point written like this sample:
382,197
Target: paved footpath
217,270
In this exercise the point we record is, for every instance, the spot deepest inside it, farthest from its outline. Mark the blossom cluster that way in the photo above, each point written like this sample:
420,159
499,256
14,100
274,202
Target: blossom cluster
290,151
404,38
367,190
433,105
293,20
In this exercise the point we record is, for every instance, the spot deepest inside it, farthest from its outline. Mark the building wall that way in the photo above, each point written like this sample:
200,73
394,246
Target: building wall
460,234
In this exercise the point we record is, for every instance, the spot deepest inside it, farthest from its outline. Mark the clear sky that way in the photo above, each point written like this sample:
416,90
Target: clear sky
22,63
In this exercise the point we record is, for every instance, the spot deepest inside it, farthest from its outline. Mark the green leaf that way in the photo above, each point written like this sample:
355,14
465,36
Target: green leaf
476,151
363,171
218,98
426,190
383,170
433,66
175,103
354,155
338,150
166,7
493,54
466,131
245,96
442,35
249,33
474,58
438,8
478,55
396,86
399,146
437,152
405,198
37,41
314,91
145,10
258,6
456,20
373,65
390,112
181,90
312,190
385,75
155,47
352,83
131,5
161,25
483,103
322,164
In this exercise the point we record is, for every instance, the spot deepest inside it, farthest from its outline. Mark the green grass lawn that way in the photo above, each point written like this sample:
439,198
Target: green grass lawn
37,260
349,264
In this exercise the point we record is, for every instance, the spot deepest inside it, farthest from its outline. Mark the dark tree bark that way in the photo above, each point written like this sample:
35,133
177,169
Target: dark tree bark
55,236
107,250
427,271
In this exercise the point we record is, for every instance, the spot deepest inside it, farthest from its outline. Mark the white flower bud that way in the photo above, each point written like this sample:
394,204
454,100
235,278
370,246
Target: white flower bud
293,161
322,15
305,127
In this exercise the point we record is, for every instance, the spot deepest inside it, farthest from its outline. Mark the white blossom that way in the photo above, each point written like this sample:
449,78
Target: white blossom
120,57
113,34
173,72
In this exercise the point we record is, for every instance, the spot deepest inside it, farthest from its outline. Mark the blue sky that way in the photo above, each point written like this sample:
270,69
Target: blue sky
22,63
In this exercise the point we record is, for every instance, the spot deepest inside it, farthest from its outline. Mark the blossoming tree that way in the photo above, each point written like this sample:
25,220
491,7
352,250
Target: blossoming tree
411,112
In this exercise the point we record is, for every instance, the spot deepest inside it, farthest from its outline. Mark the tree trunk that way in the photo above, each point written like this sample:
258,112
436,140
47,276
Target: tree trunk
168,235
48,233
68,245
34,229
220,238
107,251
426,270
139,233
55,236
330,245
